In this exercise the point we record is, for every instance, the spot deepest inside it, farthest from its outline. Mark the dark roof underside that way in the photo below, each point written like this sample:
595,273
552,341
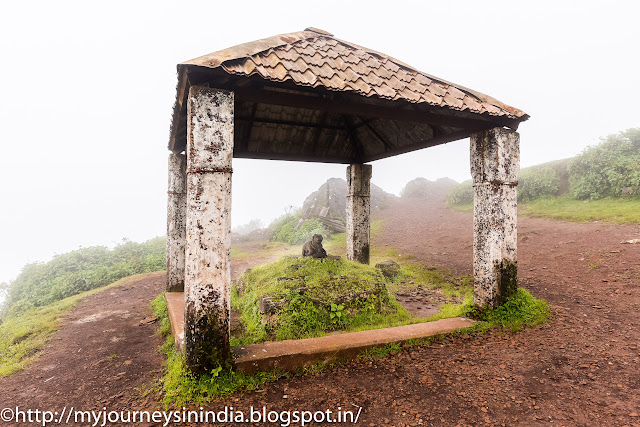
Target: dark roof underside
308,96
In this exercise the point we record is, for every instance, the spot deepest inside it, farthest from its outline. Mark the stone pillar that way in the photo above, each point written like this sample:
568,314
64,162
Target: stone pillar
358,212
210,115
176,221
495,159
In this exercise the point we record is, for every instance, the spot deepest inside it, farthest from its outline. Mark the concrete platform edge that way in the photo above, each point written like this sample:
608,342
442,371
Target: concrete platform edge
292,355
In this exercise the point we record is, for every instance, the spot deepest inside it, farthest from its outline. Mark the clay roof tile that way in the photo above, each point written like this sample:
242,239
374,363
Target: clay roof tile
315,57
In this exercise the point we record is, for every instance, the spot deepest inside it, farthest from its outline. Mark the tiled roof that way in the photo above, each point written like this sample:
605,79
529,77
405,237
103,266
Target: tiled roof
314,58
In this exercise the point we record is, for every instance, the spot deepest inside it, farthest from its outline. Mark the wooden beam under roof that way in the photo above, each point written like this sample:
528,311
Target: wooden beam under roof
421,144
396,111
297,157
340,104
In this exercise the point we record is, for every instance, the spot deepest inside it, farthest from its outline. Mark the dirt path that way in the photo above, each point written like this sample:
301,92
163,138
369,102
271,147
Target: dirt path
582,369
101,354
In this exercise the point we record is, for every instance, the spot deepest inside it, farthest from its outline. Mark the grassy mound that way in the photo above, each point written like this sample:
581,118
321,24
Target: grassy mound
179,387
310,297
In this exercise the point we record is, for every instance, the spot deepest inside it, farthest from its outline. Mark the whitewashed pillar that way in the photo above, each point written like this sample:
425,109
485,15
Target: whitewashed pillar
495,159
358,212
176,221
210,115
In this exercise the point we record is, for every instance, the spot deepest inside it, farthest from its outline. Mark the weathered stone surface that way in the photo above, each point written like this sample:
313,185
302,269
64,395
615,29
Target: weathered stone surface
388,268
176,221
495,156
175,309
494,167
358,212
269,305
294,354
207,270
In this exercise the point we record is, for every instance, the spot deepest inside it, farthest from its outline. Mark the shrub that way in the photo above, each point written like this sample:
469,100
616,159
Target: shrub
283,229
536,182
609,169
77,271
254,224
461,194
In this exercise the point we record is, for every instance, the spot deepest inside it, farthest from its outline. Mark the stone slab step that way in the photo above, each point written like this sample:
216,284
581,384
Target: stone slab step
291,355
175,307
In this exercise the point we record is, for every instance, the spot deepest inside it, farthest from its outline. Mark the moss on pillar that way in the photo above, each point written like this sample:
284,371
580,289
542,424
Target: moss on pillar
206,335
507,271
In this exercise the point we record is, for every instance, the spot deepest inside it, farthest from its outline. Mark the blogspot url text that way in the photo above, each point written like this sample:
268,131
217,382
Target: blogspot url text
228,414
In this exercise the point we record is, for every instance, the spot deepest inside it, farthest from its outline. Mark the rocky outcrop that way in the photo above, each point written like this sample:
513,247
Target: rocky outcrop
422,188
329,204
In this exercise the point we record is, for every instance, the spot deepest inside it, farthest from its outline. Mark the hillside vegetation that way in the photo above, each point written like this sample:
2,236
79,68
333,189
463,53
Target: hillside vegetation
43,292
283,229
69,274
603,182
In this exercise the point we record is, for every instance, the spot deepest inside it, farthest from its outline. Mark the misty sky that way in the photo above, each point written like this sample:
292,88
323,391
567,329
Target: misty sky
88,86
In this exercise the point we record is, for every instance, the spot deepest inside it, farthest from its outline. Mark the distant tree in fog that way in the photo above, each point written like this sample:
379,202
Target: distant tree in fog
254,224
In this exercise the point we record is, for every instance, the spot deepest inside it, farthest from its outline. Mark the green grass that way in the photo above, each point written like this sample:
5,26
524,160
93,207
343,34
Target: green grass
24,334
610,210
310,314
413,275
180,387
522,310
335,244
238,252
616,211
377,227
467,207
318,296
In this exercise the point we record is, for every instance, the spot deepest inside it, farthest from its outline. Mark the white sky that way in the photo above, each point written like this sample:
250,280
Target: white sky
88,86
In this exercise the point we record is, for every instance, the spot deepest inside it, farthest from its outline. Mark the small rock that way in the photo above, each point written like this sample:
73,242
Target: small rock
269,305
388,268
149,320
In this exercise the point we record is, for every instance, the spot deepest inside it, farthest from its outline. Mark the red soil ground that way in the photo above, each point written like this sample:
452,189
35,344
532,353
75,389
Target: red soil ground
580,369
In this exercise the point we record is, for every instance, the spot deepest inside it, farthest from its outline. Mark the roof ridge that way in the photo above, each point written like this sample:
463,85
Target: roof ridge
319,31
215,59
316,36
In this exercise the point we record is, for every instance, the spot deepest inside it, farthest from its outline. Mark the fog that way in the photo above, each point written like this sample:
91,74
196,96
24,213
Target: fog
88,89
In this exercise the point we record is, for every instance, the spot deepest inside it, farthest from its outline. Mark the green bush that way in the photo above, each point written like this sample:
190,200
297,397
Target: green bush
533,183
536,182
283,229
609,169
461,194
77,271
